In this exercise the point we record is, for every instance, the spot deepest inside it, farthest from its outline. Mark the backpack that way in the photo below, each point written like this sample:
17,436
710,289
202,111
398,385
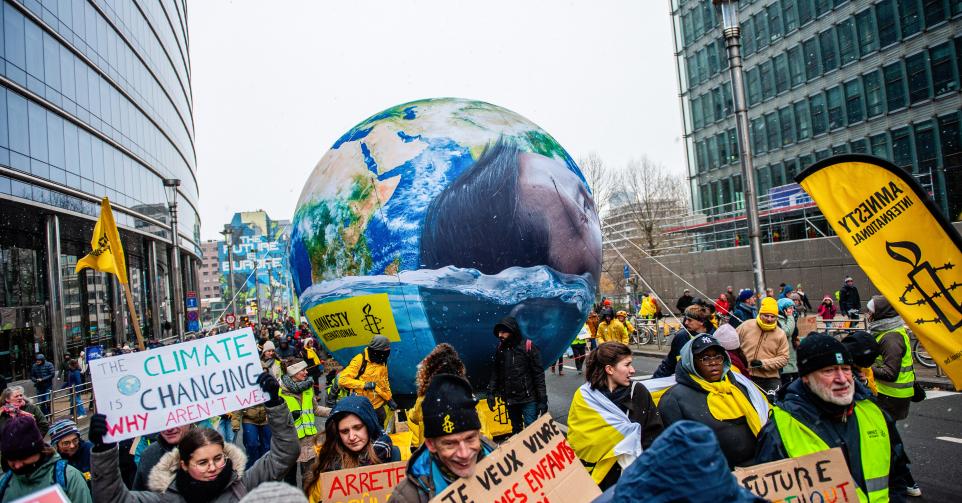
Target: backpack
334,391
59,477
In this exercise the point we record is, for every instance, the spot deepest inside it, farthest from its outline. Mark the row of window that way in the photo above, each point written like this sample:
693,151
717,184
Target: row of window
37,141
36,60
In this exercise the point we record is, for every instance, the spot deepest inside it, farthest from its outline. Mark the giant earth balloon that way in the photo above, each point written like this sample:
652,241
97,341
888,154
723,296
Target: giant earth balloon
432,220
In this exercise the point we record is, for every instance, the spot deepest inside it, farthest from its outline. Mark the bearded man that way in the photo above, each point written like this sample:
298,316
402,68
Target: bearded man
824,409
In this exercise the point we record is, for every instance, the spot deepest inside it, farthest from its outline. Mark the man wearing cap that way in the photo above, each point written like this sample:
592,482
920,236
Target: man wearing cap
453,444
684,301
618,328
518,376
824,409
42,373
34,465
366,375
848,299
744,308
297,391
65,438
696,321
765,346
269,360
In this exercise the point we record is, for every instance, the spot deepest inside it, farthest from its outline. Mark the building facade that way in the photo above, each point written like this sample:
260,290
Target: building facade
95,101
210,280
261,282
822,77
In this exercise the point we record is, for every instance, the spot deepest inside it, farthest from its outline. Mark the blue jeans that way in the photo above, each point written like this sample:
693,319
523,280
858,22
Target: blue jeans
223,427
257,441
521,415
43,399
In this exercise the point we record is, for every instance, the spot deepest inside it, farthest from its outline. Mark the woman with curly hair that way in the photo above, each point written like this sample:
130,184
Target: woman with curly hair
444,359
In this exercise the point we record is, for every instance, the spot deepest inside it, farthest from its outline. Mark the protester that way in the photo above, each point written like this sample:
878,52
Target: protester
683,301
74,381
366,375
297,391
824,409
42,374
788,322
894,370
728,338
765,345
593,321
611,419
649,307
681,466
618,328
601,335
15,404
722,305
827,310
65,438
453,444
284,349
34,465
696,321
578,347
707,391
744,309
165,442
785,291
314,362
803,297
443,359
864,350
269,360
257,432
849,302
517,376
352,438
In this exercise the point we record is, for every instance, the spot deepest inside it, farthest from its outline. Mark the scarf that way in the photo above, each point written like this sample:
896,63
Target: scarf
197,491
726,402
297,387
766,327
884,325
601,433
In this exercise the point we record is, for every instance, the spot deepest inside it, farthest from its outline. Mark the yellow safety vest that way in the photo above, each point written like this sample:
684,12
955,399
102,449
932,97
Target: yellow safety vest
305,423
875,449
904,385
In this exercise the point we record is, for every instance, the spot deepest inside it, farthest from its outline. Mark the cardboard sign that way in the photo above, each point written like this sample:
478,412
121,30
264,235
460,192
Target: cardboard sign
534,465
806,325
150,391
822,476
367,484
52,494
354,321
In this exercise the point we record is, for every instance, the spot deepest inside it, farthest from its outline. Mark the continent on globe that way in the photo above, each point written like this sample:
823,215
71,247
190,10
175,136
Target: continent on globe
460,211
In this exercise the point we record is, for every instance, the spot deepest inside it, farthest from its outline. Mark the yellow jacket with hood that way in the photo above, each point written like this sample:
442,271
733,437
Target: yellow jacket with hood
373,372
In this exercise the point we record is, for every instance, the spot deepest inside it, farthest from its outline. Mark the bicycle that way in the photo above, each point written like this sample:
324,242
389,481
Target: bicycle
922,356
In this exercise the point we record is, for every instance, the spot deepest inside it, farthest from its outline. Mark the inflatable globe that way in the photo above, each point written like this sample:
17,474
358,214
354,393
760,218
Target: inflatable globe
432,220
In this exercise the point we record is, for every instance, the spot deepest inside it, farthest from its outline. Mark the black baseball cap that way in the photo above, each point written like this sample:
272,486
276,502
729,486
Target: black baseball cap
702,342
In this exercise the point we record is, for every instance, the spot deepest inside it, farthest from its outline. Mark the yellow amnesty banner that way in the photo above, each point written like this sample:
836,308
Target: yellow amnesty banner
108,252
901,241
354,321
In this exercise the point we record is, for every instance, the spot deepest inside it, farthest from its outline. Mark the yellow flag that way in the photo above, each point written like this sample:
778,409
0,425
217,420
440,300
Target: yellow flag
901,241
108,252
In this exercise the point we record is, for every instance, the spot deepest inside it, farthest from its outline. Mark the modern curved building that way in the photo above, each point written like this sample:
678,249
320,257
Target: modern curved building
95,100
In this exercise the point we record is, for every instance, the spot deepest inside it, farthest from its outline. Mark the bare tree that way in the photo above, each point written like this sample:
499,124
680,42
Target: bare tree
653,200
601,179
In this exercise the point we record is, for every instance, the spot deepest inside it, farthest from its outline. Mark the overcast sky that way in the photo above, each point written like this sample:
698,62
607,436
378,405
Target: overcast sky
275,83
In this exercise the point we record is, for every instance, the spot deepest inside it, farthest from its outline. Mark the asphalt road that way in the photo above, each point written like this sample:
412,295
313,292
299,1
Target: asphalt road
932,434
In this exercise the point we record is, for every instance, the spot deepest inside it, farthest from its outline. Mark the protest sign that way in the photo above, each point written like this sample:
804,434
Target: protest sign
822,476
366,484
52,494
352,322
535,465
806,325
150,391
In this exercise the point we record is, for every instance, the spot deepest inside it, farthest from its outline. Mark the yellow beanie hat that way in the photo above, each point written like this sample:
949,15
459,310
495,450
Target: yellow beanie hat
769,306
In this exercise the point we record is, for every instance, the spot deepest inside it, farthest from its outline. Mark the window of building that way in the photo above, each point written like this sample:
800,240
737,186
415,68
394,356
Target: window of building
822,154
926,150
865,28
778,174
836,111
775,28
711,151
791,169
790,16
853,102
701,156
847,43
887,21
958,54
955,7
771,126
796,66
767,77
828,49
733,145
697,117
748,37
909,18
880,146
859,146
894,86
874,101
944,78
707,110
934,12
787,123
759,137
764,177
917,73
721,143
902,148
727,99
762,37
949,134
810,50
717,103
805,12
781,73
822,6
712,56
805,161
819,118
803,125
754,86
840,149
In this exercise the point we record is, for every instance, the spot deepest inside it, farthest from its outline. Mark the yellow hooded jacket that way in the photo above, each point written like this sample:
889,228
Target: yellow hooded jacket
373,372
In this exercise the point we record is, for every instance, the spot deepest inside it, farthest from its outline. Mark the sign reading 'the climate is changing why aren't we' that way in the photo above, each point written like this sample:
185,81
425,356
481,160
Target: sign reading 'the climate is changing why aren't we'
151,391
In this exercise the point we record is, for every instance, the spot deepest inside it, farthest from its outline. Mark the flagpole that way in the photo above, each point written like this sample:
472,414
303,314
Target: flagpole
133,316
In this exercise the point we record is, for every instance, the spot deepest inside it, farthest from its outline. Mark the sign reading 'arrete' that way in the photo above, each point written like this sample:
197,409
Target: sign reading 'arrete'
150,391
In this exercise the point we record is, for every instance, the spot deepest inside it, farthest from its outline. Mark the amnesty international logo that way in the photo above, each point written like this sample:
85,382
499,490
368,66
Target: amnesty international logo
447,425
351,322
926,287
371,323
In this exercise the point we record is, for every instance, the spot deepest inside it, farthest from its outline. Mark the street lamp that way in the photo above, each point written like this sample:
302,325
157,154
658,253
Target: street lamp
228,233
732,32
170,188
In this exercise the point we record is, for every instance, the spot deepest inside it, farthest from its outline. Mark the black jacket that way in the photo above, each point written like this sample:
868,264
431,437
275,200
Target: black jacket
518,376
683,302
678,340
802,404
848,299
688,400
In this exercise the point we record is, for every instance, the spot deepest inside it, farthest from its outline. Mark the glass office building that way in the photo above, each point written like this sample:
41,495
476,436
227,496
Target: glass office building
95,100
822,77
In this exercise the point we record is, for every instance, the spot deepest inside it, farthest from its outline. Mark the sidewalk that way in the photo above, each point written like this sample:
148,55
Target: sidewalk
925,376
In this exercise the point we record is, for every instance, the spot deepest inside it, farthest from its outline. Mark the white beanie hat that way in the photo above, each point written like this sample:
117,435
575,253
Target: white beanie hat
727,337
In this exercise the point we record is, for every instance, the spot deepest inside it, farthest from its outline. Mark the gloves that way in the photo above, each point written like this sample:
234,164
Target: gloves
391,404
492,402
270,386
542,408
98,428
369,386
755,364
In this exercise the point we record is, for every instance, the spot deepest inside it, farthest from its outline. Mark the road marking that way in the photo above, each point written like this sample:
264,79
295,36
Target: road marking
950,439
930,394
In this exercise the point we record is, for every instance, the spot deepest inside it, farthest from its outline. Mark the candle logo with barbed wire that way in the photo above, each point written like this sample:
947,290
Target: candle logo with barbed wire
927,286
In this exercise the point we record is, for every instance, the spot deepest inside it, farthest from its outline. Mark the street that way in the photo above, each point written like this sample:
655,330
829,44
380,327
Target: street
932,434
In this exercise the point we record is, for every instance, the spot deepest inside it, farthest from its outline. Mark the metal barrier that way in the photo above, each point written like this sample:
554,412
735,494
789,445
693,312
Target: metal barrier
66,403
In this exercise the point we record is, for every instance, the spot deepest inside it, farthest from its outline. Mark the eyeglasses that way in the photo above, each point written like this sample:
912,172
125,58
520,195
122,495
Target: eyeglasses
709,359
217,460
68,443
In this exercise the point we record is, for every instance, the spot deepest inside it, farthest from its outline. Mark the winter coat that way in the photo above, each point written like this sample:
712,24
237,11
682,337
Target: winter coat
790,327
251,415
771,347
722,306
352,379
81,459
108,488
668,364
616,331
42,375
43,477
641,409
848,299
804,406
827,311
418,485
683,302
34,411
148,459
517,375
741,314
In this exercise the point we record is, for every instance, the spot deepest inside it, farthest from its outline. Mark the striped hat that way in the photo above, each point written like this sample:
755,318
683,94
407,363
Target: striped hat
61,429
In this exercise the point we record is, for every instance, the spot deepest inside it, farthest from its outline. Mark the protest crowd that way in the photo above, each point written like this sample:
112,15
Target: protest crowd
738,388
